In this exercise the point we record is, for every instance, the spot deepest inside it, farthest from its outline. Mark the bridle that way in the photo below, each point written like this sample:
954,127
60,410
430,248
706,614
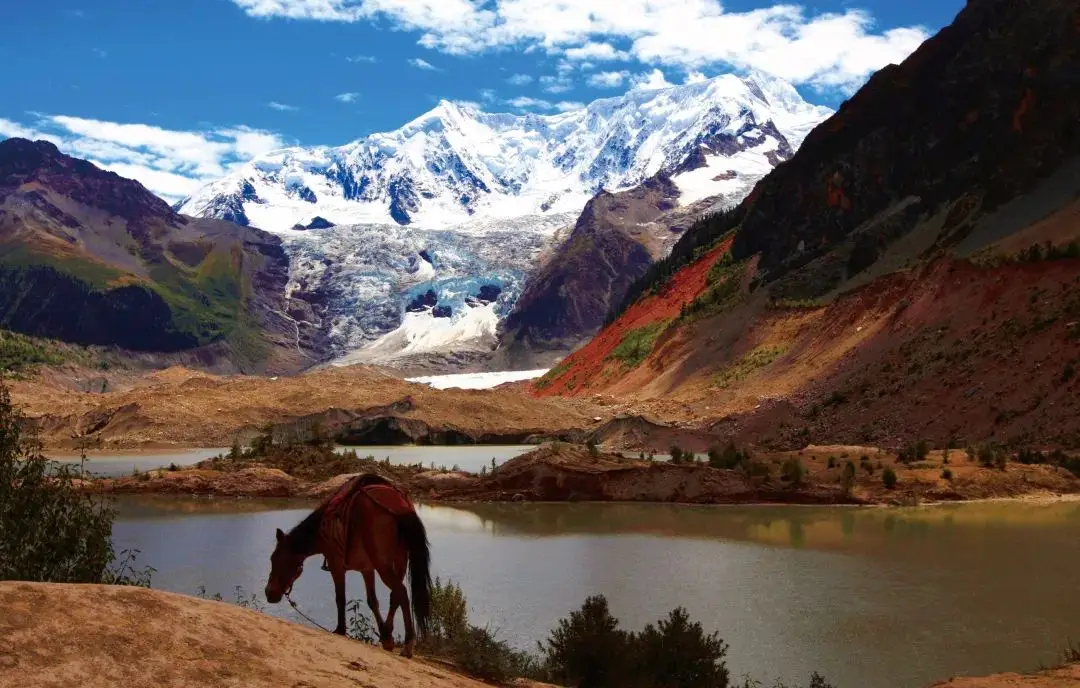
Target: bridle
289,599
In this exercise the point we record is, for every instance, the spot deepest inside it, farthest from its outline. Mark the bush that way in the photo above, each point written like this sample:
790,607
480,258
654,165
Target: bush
832,462
678,653
588,649
888,478
847,479
727,458
51,531
947,474
793,471
594,451
916,451
676,454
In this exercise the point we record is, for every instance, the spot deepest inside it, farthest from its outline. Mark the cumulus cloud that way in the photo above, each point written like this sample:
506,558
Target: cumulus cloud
171,163
608,79
556,84
567,105
520,79
423,64
650,81
828,50
346,97
528,103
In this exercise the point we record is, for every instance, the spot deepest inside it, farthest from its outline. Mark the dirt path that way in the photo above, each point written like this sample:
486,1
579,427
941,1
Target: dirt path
95,636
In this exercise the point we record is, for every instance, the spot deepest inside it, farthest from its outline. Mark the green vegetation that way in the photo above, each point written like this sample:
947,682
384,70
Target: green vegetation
552,375
946,474
793,471
19,352
916,451
50,531
751,362
847,478
677,454
724,290
702,236
637,344
729,457
888,478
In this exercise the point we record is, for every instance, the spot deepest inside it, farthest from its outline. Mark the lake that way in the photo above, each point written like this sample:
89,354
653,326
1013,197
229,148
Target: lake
867,597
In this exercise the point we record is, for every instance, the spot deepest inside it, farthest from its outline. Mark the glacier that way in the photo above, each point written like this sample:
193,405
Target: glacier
460,201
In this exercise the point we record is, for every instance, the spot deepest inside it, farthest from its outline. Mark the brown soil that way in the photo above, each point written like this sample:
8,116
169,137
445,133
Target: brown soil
1060,677
181,407
946,351
563,472
98,636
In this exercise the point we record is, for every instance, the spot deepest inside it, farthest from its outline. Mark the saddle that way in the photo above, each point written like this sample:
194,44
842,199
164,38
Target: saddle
381,491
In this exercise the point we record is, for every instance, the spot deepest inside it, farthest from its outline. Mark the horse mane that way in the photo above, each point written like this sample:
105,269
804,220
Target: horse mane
303,536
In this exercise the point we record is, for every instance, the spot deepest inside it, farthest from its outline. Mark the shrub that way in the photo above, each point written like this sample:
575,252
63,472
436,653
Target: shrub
946,474
728,457
588,648
678,653
1068,373
594,451
917,451
757,469
793,471
676,454
50,531
888,478
847,478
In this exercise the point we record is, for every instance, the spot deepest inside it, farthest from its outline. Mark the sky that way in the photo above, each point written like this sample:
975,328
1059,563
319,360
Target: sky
175,94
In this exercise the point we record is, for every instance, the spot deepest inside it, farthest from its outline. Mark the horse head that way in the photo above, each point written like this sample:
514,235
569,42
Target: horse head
286,565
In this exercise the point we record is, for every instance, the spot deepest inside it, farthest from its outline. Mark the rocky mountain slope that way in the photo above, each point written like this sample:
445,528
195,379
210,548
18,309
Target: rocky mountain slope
92,258
459,202
910,273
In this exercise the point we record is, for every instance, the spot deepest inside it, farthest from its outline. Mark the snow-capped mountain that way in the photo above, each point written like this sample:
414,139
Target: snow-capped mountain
460,199
455,162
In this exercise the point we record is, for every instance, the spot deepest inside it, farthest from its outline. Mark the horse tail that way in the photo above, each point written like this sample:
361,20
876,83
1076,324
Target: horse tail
412,533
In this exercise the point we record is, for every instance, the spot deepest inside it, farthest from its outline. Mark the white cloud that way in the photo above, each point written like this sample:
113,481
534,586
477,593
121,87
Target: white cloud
608,79
826,50
423,64
556,84
99,52
650,81
527,103
567,105
488,95
361,58
170,163
596,51
520,79
281,107
694,77
347,97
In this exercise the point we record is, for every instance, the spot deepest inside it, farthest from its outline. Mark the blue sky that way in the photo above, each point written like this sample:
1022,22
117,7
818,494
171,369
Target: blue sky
175,93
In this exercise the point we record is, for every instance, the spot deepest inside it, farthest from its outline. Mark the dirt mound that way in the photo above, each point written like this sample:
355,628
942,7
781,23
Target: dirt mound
1060,677
95,636
178,407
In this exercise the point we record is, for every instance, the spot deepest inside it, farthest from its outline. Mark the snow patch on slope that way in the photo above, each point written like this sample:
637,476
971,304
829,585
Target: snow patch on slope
478,380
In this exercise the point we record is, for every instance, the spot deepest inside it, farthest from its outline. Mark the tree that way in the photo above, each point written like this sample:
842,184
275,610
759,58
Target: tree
793,471
49,529
847,479
677,653
588,649
676,454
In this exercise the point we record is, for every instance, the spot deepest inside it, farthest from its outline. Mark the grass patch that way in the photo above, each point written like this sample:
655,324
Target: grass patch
637,344
554,374
747,365
724,290
19,352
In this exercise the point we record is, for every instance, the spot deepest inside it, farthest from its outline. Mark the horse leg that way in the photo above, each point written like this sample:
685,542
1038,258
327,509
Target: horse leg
337,571
373,605
399,597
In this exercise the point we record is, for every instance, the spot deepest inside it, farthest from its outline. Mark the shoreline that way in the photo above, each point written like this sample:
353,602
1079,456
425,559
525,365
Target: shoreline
561,473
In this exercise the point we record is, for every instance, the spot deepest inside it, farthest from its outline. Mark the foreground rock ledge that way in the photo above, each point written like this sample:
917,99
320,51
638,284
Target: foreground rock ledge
96,635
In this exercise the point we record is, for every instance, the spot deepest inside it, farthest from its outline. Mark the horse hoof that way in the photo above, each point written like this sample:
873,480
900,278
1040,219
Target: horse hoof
406,653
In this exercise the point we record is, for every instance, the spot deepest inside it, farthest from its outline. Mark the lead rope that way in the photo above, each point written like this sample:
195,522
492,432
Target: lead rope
309,619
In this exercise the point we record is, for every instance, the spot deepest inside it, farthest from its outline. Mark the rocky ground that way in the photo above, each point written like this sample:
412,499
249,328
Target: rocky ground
563,472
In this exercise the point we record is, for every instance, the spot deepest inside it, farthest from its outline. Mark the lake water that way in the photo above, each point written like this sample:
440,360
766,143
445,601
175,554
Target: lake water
868,597
469,458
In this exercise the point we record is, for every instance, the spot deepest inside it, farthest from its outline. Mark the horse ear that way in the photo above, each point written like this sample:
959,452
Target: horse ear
280,536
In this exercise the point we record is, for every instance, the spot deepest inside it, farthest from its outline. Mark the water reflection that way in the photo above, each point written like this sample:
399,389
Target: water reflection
870,597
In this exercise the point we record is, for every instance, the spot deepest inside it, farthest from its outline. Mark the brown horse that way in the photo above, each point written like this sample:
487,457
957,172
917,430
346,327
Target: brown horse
369,526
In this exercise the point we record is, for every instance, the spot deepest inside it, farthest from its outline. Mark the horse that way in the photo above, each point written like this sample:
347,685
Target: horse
370,526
